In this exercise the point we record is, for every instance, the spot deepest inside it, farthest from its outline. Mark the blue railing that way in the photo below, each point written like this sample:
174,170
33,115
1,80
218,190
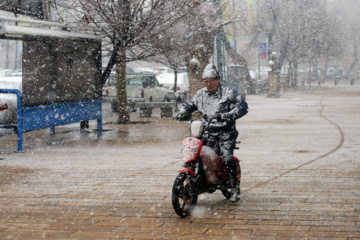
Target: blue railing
32,118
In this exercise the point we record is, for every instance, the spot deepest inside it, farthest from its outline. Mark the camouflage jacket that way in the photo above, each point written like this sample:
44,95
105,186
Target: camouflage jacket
209,104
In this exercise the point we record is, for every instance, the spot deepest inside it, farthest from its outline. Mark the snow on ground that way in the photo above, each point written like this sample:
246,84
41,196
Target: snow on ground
299,158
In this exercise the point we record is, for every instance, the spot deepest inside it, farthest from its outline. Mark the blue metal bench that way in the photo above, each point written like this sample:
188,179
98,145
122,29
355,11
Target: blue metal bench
32,118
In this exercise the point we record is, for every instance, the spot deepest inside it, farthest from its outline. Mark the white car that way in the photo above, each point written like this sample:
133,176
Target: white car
5,72
161,70
139,88
143,70
182,84
14,74
8,113
111,81
264,73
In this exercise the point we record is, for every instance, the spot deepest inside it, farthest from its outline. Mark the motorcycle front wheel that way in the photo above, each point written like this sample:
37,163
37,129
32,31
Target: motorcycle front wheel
182,202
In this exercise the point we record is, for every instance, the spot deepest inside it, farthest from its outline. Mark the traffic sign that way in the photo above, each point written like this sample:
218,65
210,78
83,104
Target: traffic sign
262,47
263,54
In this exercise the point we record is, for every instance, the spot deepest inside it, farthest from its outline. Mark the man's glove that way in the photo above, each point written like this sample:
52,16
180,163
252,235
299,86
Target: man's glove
183,117
226,116
178,117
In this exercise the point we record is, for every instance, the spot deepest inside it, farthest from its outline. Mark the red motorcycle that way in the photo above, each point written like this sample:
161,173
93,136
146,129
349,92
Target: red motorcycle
202,172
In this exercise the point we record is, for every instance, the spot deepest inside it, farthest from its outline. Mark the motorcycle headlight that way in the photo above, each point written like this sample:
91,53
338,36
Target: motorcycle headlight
196,128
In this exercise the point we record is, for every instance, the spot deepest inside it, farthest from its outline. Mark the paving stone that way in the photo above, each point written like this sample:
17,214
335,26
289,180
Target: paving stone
297,181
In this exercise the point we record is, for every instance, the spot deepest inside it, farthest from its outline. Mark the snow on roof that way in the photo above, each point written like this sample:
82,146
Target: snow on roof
19,32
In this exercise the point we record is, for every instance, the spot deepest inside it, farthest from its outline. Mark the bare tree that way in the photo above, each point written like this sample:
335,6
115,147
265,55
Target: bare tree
174,49
351,32
302,31
179,41
132,28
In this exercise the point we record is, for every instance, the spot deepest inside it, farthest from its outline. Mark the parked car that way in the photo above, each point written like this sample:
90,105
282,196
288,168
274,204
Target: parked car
335,72
260,85
111,81
182,85
3,105
182,70
161,70
254,75
129,70
8,111
264,73
15,73
140,88
143,70
5,72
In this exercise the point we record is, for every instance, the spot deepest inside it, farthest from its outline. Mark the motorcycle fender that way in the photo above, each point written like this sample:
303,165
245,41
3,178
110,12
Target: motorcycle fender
238,167
185,170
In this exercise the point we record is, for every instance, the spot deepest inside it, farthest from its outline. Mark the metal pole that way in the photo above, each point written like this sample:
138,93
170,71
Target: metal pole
234,25
16,55
46,9
258,58
16,51
219,53
310,57
219,48
258,50
7,61
223,58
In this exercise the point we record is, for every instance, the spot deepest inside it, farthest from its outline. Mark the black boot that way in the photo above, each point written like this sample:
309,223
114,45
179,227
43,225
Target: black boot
234,183
235,189
235,196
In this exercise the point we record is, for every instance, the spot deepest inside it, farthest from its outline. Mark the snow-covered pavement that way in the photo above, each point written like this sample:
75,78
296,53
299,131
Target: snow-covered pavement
300,176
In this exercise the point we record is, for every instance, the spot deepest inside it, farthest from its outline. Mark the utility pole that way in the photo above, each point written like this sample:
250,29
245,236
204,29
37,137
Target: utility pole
234,25
16,49
7,61
258,60
46,10
16,54
219,46
220,53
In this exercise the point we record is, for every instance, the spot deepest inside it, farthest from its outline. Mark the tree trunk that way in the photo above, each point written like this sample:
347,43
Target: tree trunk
326,66
105,75
296,70
124,116
175,89
175,82
355,59
290,75
200,58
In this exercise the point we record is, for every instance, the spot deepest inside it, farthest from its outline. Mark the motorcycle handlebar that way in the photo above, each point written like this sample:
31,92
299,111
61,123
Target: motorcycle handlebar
210,119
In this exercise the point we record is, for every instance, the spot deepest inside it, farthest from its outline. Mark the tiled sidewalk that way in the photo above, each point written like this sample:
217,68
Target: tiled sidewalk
300,177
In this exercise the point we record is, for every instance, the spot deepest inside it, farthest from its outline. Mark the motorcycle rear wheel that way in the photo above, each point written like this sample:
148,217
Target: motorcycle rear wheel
183,204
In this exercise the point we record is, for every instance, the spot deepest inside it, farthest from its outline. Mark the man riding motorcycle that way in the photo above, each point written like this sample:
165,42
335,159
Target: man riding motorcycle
217,100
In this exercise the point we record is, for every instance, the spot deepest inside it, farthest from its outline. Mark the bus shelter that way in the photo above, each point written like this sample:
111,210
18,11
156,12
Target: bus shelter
61,78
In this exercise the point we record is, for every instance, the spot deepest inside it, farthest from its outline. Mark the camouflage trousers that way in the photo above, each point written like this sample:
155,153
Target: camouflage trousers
223,143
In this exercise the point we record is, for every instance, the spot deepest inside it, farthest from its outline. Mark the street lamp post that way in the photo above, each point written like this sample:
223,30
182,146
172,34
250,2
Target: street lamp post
273,77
